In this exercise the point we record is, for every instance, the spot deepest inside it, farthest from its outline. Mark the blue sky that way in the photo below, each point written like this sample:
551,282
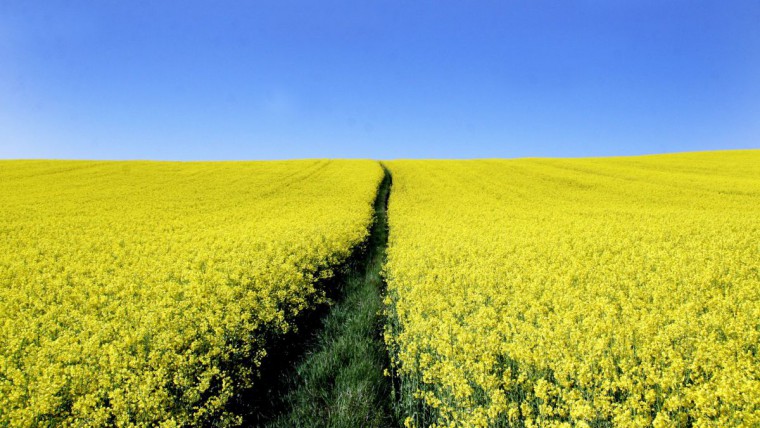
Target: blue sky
376,79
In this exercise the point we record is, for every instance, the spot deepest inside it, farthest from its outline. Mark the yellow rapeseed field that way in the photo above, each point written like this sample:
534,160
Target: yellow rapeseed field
143,293
577,292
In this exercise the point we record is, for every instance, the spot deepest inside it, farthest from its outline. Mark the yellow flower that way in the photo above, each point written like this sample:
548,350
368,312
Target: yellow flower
623,290
129,290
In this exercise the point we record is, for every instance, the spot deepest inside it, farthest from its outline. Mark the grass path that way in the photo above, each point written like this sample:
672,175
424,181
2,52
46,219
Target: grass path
339,380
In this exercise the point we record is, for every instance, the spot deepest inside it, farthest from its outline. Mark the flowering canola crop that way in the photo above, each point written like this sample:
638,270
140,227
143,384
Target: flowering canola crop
144,293
577,292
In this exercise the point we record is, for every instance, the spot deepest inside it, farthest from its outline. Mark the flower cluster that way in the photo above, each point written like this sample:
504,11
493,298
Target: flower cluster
577,292
144,293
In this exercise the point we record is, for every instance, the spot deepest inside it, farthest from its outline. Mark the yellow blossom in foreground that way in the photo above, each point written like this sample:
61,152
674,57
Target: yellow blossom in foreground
143,293
577,292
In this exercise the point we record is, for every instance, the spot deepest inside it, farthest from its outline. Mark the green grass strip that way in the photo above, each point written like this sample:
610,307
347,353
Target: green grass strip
339,382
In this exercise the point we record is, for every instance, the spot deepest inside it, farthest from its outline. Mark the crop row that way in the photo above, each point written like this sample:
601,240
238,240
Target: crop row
140,293
577,292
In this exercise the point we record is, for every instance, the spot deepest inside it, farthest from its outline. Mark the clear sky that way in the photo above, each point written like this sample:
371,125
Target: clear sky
376,79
